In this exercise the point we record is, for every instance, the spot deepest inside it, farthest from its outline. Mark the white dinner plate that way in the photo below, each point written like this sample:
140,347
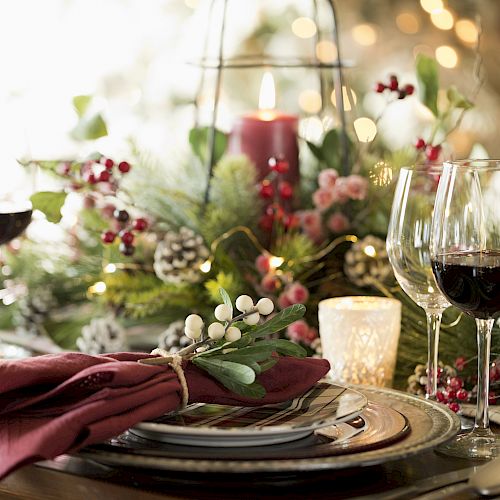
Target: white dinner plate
230,426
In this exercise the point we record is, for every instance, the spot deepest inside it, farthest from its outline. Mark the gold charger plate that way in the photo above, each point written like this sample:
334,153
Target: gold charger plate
428,424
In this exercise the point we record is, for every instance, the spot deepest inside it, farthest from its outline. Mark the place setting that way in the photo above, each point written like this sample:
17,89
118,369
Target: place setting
275,265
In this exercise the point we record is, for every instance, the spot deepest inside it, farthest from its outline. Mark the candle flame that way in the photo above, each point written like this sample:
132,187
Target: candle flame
267,96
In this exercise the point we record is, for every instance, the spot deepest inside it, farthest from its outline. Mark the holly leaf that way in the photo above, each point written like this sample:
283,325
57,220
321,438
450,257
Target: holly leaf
428,80
280,321
90,128
457,99
50,203
81,104
199,137
226,299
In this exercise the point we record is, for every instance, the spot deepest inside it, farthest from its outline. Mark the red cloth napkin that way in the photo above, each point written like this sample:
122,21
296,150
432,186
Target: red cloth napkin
59,403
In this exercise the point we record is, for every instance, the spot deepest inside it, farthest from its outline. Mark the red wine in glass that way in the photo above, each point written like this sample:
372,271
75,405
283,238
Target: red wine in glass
471,281
13,222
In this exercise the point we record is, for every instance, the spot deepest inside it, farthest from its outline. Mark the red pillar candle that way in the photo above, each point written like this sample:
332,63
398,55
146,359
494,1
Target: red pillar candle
267,133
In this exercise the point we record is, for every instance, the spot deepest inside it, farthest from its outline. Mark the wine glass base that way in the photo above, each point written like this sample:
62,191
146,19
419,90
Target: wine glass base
477,445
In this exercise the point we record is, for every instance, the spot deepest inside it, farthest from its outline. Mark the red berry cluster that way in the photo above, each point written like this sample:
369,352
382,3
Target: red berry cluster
431,152
278,193
393,86
126,231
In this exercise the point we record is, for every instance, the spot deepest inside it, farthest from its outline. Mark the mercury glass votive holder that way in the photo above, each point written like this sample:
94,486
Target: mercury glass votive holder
359,337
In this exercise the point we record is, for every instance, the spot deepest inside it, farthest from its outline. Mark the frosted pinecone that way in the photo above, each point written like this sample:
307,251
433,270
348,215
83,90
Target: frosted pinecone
173,338
366,262
102,335
179,255
33,311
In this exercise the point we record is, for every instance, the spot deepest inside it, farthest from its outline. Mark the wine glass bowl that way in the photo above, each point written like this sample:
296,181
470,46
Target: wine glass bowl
465,252
408,241
14,219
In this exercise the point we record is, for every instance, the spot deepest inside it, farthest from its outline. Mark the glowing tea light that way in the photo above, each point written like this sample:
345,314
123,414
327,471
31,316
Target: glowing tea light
349,101
365,129
359,337
326,51
206,266
431,5
442,19
275,262
364,34
310,101
446,56
304,27
408,23
466,30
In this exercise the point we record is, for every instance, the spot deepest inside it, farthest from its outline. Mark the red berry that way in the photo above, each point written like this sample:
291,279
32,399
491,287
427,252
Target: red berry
266,222
108,237
420,144
266,190
380,87
121,215
276,210
432,152
291,221
454,407
462,394
451,394
409,89
285,190
64,168
104,176
440,396
124,167
456,383
140,224
394,84
91,179
127,237
126,249
279,165
460,363
109,163
492,398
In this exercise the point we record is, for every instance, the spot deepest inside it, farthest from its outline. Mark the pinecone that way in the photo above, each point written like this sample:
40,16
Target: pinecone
102,335
178,256
366,262
173,338
418,380
33,311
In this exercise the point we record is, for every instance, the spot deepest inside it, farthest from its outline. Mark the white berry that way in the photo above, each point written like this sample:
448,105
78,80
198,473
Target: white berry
216,331
192,334
233,334
194,322
265,306
253,319
223,312
244,303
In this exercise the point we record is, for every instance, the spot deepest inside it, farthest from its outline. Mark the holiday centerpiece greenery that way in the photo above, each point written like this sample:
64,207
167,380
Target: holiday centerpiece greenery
147,247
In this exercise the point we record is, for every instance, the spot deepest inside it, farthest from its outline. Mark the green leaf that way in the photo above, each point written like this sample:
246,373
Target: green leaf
280,321
269,363
49,203
316,151
287,348
90,128
331,148
457,99
218,367
199,137
255,367
226,299
428,80
81,104
258,352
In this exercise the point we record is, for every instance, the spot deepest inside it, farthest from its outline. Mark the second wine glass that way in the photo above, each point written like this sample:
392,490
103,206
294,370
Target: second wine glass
408,241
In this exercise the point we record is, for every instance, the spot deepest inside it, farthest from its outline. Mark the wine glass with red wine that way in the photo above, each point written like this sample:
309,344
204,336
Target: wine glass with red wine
14,219
465,255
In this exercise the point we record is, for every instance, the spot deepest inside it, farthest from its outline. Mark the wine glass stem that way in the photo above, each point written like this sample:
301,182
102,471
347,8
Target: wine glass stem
433,326
484,327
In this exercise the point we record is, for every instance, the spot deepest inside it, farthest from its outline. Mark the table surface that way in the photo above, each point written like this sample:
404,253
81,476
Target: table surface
70,477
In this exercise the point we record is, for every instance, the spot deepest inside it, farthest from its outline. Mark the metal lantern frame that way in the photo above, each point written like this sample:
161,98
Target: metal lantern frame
221,63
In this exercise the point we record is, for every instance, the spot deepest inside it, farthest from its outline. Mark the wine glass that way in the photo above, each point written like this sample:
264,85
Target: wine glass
465,252
408,241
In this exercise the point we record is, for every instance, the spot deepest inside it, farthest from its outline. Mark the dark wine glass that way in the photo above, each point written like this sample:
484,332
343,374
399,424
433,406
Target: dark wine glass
14,219
465,255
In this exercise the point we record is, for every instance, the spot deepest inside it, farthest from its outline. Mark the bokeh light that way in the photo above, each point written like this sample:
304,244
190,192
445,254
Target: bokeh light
364,34
365,128
442,19
326,51
408,23
350,98
304,27
466,30
310,101
446,56
431,5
